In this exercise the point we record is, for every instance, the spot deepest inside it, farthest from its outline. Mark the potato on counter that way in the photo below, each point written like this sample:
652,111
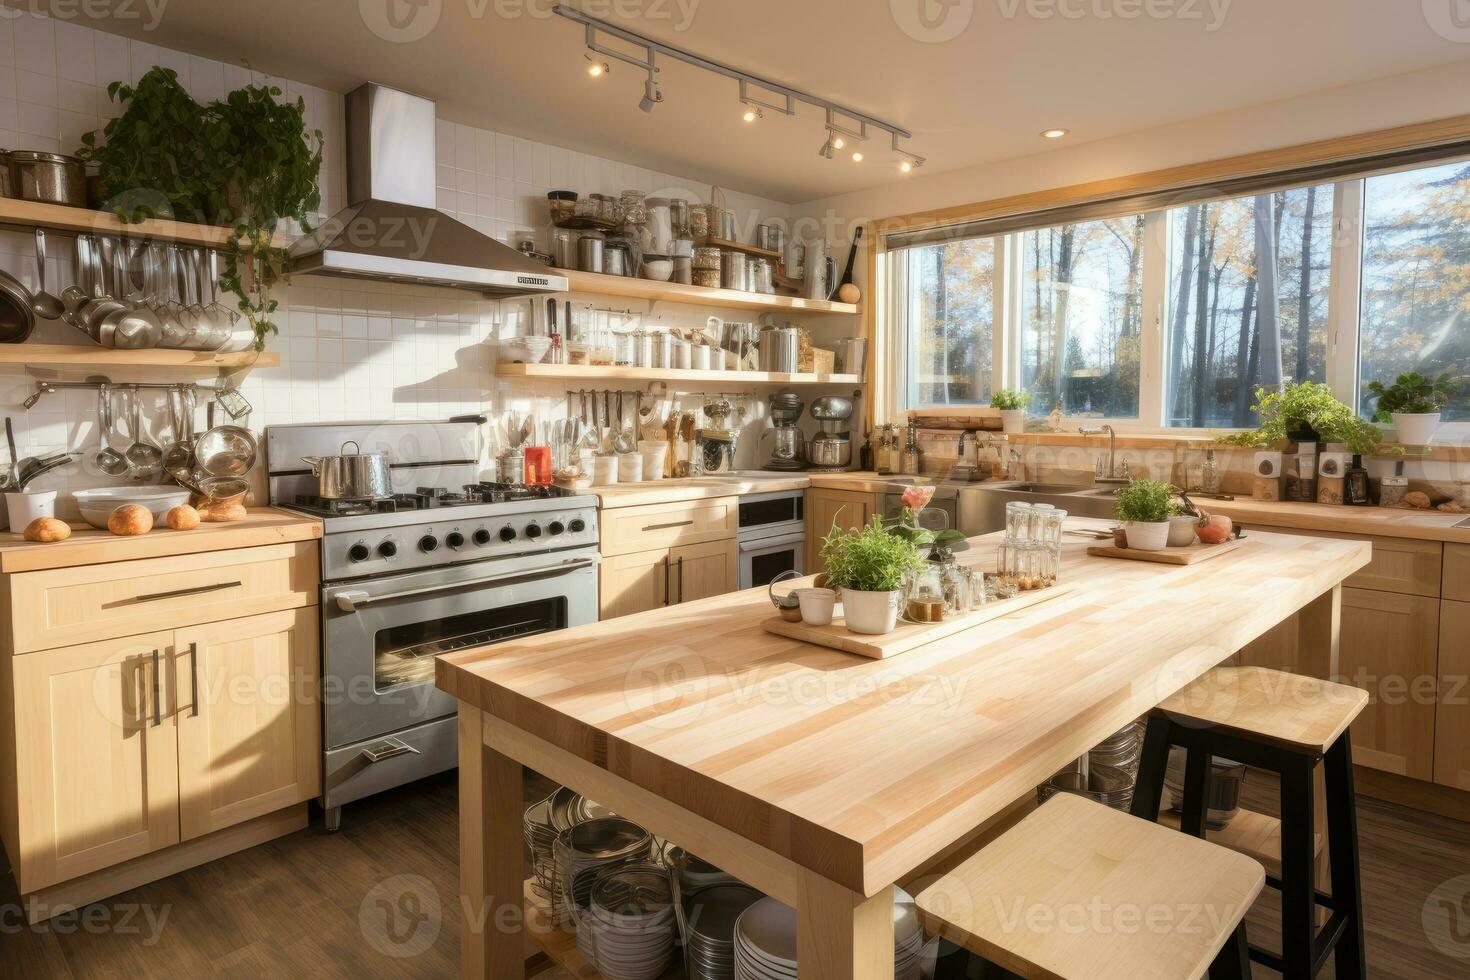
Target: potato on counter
47,529
182,518
130,519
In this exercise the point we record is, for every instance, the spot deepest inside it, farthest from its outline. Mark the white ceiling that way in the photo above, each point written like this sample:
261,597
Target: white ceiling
983,95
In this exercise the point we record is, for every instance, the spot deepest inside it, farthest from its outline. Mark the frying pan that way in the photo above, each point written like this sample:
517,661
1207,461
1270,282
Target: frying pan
17,315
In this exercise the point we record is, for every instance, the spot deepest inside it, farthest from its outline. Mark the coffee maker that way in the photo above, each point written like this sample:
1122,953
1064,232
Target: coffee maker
715,442
788,453
830,450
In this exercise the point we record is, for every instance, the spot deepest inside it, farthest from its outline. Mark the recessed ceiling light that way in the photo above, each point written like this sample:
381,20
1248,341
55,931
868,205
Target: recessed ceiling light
1055,134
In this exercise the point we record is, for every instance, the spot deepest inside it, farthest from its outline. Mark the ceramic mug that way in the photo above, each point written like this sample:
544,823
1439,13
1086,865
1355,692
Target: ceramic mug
27,505
816,605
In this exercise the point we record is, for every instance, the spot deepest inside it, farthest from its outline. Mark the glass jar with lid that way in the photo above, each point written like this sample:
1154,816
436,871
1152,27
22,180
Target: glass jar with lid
607,208
563,205
701,221
679,216
635,210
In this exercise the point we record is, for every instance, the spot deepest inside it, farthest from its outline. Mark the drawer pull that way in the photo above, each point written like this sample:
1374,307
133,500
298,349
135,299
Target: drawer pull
157,719
388,748
193,680
665,527
192,590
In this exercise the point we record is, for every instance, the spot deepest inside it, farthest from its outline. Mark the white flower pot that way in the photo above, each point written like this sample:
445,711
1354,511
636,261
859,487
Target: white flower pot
1013,421
1148,536
1415,430
870,612
1181,531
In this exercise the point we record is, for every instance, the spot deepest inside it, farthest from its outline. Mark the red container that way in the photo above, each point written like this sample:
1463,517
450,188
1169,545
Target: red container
538,465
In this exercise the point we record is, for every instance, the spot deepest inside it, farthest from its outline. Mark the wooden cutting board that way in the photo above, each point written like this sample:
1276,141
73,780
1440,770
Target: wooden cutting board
1169,556
907,636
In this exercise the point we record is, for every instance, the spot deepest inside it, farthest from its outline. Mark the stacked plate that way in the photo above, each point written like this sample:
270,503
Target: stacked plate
541,825
599,843
765,941
1121,751
1107,785
710,915
693,874
630,917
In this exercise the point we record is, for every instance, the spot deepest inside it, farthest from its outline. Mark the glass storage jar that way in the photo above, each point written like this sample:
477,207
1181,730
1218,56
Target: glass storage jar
634,207
563,206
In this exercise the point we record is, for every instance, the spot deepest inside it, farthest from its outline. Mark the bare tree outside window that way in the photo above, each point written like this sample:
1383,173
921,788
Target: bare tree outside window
950,318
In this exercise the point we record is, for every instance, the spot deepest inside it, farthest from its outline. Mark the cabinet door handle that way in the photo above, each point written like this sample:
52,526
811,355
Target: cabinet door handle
193,680
157,715
681,580
192,590
665,527
668,587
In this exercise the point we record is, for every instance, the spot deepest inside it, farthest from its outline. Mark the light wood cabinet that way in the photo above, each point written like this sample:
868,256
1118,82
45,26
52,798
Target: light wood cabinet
1390,648
845,509
248,719
96,754
1452,720
629,530
1457,571
667,576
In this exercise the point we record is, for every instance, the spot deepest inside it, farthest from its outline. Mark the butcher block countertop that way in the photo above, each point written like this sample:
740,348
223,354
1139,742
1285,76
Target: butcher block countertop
860,770
1389,522
89,546
700,488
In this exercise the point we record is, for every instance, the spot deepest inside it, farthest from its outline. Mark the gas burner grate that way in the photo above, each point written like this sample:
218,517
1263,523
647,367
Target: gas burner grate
499,493
354,508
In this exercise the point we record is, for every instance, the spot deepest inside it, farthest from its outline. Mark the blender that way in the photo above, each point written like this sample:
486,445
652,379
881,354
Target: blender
788,453
830,450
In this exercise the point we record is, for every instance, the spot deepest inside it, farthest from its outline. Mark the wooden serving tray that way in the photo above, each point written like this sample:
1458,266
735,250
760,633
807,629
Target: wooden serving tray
906,636
1169,556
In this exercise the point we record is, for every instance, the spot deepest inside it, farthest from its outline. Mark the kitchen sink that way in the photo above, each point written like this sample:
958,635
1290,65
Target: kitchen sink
1049,488
982,507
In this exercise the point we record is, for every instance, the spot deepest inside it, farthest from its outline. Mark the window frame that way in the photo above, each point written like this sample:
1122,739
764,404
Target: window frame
1344,321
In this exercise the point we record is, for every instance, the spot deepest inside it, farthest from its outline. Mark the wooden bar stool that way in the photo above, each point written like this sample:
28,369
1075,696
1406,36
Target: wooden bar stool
1286,724
1076,890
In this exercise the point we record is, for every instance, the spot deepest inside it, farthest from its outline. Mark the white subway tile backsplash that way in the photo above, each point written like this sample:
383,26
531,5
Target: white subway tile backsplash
35,44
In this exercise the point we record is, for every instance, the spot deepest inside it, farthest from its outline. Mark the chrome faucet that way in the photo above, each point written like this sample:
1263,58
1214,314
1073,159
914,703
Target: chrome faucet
1112,476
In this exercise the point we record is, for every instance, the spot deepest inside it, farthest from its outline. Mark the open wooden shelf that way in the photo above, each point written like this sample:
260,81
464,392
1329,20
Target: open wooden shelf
586,372
560,944
82,358
674,292
30,214
756,250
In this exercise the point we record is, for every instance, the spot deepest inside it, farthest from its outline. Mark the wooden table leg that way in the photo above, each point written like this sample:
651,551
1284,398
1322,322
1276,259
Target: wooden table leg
840,934
1319,629
491,865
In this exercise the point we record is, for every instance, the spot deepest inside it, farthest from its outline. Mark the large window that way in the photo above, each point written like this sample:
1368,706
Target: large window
1081,298
951,294
1248,298
1416,277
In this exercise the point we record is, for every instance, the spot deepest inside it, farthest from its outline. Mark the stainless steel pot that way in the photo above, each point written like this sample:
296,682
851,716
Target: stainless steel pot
828,449
351,476
51,178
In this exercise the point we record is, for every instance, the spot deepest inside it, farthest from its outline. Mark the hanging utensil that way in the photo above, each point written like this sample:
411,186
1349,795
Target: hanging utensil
103,303
108,460
76,296
17,313
43,304
178,455
144,459
138,327
14,462
225,450
622,440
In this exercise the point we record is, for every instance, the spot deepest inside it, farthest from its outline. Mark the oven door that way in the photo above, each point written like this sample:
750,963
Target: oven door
380,637
762,559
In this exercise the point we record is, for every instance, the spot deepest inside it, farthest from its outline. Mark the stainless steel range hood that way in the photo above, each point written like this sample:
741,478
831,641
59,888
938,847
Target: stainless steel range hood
391,230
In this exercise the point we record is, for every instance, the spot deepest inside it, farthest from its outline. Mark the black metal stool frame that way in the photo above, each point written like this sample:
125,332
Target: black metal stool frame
1304,947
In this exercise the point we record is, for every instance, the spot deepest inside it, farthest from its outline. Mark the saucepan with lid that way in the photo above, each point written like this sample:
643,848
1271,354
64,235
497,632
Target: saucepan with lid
351,476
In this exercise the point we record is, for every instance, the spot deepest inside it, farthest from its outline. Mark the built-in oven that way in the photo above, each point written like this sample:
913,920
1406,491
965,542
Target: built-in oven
383,717
772,536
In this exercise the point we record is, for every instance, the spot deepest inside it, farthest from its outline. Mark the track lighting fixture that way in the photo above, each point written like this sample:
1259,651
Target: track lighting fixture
843,125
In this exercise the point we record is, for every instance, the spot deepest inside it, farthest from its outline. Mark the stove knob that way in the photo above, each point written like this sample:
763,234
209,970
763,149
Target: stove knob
455,540
359,552
428,543
507,533
578,526
556,527
533,531
482,536
387,549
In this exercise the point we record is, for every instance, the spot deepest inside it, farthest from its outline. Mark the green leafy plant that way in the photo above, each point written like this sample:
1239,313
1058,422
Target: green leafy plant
1301,407
1010,400
1412,394
936,543
1146,502
868,559
247,163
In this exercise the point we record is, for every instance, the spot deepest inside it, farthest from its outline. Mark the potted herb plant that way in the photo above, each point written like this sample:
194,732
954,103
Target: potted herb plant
868,565
1012,405
1305,412
1413,404
1144,507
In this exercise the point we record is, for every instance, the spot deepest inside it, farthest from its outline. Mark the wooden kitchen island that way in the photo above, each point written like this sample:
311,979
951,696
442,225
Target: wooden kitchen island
823,778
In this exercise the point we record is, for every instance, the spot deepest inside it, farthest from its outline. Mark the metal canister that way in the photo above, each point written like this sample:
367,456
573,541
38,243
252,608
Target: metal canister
663,349
589,251
564,248
759,279
733,271
615,259
51,178
645,348
771,236
727,224
680,356
778,349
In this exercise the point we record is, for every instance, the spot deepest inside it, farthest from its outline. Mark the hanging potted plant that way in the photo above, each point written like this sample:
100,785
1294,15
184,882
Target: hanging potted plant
868,565
1144,507
1012,406
1413,404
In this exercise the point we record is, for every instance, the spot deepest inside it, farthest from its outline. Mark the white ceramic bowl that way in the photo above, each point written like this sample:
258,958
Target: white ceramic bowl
98,503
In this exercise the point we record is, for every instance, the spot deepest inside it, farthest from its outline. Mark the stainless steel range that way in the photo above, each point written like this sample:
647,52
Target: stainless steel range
445,563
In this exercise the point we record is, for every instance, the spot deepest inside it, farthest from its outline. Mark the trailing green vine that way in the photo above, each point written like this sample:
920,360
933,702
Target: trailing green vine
247,163
1305,406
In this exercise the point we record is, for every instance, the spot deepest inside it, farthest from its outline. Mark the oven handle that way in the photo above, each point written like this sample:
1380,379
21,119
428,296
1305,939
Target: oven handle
354,600
766,544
